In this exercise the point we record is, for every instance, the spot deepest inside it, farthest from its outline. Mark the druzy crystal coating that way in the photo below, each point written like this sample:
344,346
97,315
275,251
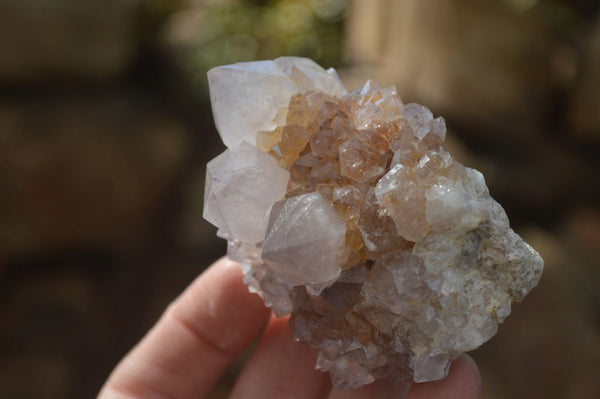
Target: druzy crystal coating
346,212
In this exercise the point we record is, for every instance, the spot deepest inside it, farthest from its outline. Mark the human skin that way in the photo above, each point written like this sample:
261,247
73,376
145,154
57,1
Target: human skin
211,323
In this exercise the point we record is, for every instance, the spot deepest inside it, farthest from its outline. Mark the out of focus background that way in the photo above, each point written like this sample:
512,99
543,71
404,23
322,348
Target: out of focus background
105,130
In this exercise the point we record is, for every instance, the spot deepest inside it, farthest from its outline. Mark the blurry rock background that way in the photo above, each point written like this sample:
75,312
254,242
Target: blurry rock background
105,129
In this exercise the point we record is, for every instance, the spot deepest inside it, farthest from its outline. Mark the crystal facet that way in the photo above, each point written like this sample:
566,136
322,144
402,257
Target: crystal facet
258,91
241,186
305,241
347,212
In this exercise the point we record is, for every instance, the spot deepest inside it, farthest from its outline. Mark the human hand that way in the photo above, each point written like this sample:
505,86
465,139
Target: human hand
215,318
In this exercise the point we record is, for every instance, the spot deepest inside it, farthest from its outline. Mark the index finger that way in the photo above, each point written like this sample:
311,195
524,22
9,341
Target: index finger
198,335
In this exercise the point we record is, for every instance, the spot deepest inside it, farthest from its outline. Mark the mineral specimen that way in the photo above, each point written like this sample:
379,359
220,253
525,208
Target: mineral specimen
346,211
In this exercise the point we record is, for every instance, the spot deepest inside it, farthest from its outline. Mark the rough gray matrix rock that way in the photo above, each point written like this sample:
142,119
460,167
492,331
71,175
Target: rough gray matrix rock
346,211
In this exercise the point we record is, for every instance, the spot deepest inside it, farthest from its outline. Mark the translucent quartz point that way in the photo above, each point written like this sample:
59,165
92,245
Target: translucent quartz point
259,90
305,240
350,215
241,186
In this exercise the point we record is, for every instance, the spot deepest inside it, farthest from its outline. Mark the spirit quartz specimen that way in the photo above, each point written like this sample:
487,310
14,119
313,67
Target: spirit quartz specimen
346,211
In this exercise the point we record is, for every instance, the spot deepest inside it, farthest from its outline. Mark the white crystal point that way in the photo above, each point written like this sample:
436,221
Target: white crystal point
308,75
247,97
438,126
456,204
419,118
241,186
305,240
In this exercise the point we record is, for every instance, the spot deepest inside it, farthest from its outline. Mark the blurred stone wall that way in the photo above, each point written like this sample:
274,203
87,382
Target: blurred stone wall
584,118
46,40
85,156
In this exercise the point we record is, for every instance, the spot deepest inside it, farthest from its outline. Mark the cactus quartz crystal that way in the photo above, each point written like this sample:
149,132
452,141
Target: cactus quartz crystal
346,211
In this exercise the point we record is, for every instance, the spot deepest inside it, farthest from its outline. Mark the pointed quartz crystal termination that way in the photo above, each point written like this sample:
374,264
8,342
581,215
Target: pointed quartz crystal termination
347,212
241,186
259,92
305,241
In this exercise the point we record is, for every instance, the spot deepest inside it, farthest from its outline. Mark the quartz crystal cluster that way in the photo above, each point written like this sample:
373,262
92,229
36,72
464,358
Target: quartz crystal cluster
346,211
